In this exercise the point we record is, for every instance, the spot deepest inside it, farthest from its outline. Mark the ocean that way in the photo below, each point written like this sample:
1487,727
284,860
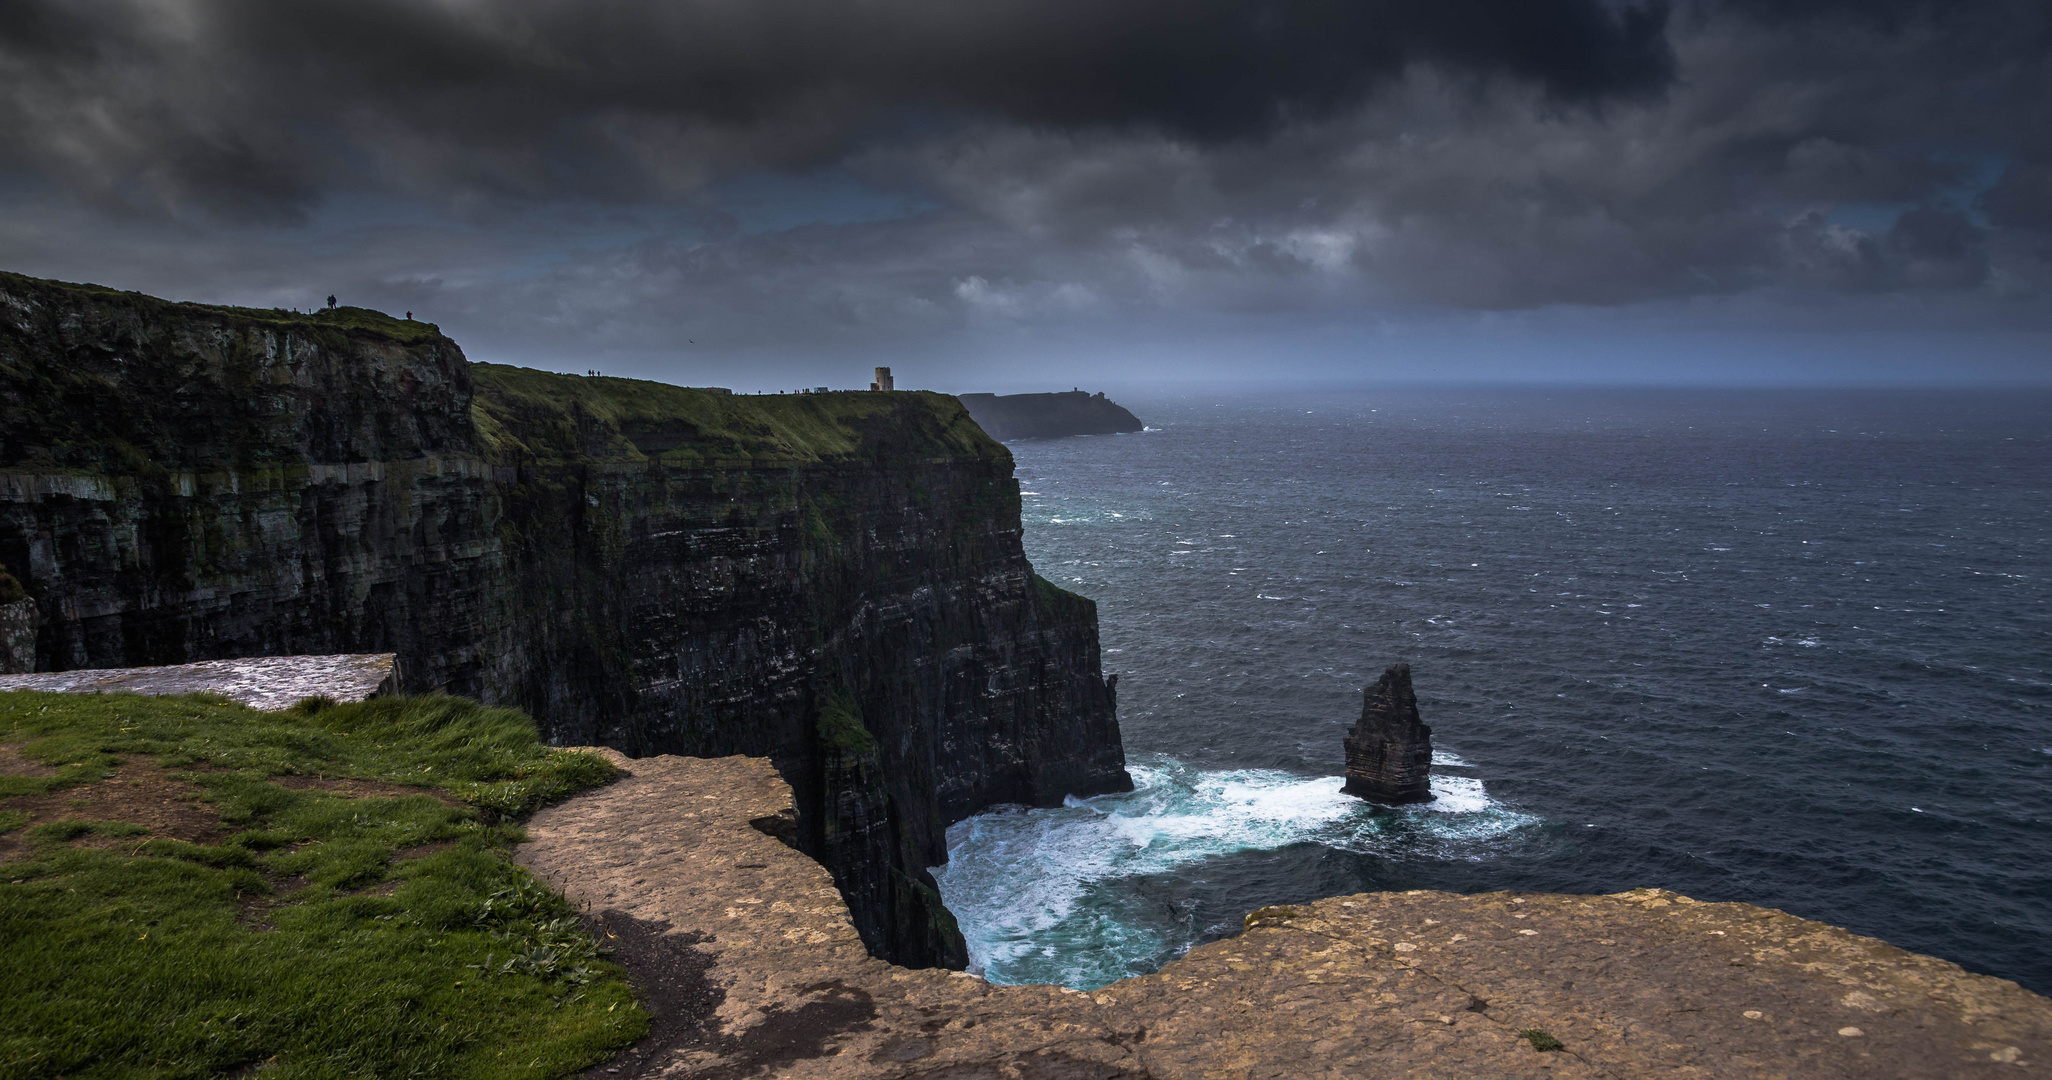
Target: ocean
1791,648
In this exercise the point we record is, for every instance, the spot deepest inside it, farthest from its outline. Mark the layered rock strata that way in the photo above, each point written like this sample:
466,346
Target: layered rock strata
1389,750
834,581
751,966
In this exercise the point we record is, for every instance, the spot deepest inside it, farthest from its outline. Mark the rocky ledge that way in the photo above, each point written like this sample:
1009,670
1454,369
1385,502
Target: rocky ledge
260,682
749,962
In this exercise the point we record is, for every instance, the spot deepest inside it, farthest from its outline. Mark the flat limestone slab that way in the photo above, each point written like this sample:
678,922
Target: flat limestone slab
745,954
261,682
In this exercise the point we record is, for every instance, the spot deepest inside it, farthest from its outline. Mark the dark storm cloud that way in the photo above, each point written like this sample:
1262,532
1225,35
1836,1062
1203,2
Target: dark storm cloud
2022,198
258,105
1063,161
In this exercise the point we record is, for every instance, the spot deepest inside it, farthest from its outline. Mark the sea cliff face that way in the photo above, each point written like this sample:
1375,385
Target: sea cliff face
832,581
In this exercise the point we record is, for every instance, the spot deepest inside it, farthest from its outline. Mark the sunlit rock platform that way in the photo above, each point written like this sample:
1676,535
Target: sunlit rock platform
260,682
750,965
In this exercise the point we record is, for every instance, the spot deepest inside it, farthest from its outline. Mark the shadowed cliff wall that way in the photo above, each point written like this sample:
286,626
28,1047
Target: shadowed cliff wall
835,581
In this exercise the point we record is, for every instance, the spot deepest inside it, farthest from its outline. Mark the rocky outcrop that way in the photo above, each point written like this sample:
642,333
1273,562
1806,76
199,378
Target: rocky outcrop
751,966
1049,416
834,581
1389,750
260,682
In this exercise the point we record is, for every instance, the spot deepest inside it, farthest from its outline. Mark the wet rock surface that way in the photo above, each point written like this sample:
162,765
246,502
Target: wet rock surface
1389,750
261,682
751,937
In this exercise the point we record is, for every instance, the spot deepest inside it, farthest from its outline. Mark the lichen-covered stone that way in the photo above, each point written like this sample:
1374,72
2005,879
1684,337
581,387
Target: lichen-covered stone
260,682
752,967
1389,750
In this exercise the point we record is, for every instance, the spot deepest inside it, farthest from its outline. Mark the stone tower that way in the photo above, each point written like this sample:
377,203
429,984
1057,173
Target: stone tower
1389,752
883,380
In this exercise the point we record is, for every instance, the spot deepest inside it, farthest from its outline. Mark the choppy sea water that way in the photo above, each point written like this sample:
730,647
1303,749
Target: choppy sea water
1790,648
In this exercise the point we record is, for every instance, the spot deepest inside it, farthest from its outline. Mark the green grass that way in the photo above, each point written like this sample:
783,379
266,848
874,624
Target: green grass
539,416
841,728
323,935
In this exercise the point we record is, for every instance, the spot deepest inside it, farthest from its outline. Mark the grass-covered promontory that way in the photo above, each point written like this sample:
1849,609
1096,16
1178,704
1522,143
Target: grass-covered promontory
191,888
529,416
343,320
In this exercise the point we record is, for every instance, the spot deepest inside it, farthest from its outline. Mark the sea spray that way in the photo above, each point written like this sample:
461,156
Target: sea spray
1100,889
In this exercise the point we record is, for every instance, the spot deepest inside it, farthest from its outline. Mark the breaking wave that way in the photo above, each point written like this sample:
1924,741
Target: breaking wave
1051,895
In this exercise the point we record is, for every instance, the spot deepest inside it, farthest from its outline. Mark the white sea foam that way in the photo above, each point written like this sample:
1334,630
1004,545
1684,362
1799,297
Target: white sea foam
1458,795
1012,877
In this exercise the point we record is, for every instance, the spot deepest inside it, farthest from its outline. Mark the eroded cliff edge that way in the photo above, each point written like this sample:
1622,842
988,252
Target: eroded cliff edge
834,581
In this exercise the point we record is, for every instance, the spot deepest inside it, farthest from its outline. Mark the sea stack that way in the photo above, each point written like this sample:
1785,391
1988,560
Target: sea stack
1389,752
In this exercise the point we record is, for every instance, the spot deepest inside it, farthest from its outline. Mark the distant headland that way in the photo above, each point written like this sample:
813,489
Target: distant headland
1049,416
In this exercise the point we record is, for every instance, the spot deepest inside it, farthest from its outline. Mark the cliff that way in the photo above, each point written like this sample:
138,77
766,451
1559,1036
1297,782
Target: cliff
749,965
1049,416
832,581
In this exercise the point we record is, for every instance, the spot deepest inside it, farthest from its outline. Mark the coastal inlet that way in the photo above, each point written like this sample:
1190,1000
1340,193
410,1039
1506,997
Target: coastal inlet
1110,887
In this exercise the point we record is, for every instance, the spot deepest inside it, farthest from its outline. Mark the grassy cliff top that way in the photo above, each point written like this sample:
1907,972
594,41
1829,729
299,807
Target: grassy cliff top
346,319
528,415
189,887
61,412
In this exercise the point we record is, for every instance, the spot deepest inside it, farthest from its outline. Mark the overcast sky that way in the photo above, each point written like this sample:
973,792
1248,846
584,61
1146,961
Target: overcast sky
1031,194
